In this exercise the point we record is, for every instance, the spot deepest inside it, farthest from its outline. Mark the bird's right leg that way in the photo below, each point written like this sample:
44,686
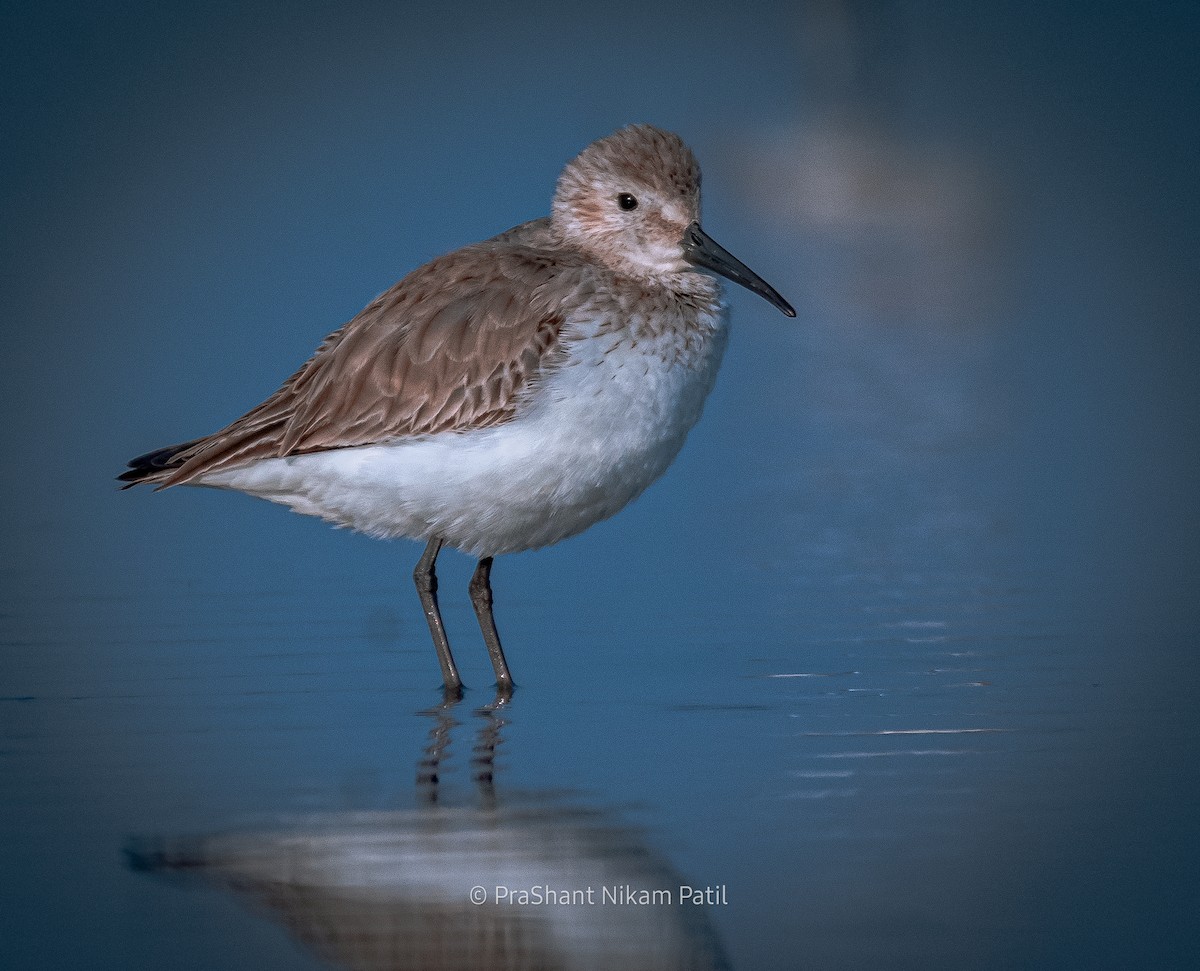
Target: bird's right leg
426,581
481,599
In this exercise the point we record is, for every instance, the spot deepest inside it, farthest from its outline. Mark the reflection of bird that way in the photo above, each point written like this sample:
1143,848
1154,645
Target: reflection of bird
392,891
507,395
385,891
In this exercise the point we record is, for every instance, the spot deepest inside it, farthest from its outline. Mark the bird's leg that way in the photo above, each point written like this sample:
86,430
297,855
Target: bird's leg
426,581
481,599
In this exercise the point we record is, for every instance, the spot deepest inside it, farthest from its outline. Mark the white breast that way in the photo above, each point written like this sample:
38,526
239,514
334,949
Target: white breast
594,435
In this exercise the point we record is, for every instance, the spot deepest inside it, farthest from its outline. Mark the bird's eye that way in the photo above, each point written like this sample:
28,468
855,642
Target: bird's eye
626,201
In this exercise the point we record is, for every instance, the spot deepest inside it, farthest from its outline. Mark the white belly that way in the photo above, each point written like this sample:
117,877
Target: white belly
600,429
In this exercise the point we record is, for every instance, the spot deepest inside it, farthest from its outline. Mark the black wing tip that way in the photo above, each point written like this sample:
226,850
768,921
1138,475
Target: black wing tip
151,464
130,478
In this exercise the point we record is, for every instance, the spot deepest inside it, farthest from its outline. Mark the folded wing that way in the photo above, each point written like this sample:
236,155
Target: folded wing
455,345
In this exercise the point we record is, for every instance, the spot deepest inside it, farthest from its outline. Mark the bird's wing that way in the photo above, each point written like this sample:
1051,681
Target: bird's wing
453,346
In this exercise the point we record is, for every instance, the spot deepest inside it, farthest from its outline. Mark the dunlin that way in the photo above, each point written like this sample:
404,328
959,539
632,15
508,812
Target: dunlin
509,394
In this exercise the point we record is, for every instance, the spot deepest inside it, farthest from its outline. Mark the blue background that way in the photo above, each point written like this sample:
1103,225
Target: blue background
902,650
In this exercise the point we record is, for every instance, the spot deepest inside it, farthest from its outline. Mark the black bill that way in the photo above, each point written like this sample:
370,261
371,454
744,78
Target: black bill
702,250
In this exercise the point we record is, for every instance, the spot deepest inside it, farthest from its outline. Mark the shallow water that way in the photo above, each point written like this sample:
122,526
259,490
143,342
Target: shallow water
898,660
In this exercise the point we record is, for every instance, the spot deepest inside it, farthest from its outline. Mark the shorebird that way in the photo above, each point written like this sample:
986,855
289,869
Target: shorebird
509,394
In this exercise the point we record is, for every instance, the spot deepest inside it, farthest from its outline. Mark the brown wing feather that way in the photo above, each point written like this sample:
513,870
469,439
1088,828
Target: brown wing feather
452,346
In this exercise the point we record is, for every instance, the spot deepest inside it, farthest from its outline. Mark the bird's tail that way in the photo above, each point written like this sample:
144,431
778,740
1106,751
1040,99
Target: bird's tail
155,466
